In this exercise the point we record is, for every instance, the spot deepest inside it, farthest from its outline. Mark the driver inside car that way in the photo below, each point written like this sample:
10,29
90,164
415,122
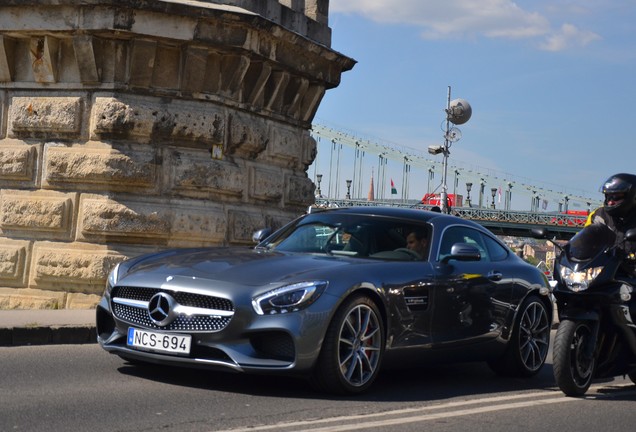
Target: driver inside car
417,241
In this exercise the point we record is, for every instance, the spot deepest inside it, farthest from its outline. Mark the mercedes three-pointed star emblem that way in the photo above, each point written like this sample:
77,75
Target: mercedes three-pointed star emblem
161,309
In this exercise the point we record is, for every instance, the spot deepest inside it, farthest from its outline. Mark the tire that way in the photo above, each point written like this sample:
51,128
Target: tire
528,346
572,372
352,350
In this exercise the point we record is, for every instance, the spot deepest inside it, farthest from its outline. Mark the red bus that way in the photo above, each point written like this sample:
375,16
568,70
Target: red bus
436,200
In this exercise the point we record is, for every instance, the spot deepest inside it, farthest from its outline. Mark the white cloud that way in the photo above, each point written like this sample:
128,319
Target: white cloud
457,19
567,37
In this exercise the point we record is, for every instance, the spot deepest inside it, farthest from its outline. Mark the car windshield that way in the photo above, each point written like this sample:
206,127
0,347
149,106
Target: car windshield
350,235
589,242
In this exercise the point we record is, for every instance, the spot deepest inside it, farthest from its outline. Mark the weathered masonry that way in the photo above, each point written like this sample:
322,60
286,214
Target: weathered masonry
132,125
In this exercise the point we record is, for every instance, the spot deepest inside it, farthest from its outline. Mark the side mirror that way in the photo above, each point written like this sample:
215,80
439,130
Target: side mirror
261,235
539,233
463,252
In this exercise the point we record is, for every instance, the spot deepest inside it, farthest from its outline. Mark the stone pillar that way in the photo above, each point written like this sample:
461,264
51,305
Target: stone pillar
131,126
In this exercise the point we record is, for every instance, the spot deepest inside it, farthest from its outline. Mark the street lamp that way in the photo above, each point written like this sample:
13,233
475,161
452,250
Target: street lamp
348,189
482,185
318,180
458,112
508,196
469,186
493,191
455,185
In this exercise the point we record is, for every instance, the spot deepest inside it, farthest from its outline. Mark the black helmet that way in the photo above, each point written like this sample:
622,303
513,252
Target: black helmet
620,194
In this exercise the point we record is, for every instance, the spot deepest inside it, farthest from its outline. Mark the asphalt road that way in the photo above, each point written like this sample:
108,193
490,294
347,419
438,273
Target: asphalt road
82,388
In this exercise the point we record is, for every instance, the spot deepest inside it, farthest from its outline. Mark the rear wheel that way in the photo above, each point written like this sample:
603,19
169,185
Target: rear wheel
573,361
352,351
528,347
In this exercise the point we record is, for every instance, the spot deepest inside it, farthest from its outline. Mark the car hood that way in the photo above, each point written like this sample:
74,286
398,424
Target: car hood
239,266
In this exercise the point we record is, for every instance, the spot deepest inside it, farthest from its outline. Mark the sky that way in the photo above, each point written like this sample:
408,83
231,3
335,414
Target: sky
551,84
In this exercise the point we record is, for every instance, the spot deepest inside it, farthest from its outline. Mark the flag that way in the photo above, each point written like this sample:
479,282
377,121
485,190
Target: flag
393,189
499,196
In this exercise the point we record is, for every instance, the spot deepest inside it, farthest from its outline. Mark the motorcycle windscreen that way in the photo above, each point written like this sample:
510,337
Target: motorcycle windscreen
589,242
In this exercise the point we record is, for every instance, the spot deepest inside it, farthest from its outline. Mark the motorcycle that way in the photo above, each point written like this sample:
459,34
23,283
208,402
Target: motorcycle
596,336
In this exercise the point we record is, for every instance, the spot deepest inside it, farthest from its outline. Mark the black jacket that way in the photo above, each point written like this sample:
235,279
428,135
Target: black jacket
619,225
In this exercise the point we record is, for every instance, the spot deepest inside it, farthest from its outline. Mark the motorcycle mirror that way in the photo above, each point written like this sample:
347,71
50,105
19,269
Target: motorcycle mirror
539,233
630,234
543,234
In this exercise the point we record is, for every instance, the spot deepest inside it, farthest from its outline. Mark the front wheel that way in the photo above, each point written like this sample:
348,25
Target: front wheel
573,358
352,350
528,346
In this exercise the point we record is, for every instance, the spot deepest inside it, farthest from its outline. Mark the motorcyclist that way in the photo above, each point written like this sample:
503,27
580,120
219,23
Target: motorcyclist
618,212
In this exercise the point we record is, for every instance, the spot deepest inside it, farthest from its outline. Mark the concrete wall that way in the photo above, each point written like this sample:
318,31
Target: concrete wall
131,126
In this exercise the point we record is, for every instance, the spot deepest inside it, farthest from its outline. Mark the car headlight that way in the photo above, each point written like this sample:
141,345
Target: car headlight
113,278
579,281
289,298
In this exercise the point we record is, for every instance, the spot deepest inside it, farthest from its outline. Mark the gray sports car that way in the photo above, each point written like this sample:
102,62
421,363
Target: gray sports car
333,296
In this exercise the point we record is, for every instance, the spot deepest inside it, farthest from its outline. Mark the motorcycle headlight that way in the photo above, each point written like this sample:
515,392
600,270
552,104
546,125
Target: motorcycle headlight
290,298
579,281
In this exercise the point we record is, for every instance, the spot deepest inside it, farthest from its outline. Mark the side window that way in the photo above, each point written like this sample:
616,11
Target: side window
496,251
460,234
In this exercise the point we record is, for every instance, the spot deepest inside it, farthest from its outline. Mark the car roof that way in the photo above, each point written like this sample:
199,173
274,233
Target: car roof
402,213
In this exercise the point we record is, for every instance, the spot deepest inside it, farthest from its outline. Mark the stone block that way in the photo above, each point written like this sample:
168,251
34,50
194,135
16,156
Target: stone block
45,117
151,118
285,146
309,149
195,174
300,190
18,162
243,224
37,214
173,223
266,184
82,301
30,299
72,267
100,167
14,256
248,136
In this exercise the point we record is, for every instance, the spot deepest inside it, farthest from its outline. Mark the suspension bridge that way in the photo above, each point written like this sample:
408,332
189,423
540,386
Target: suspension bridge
352,170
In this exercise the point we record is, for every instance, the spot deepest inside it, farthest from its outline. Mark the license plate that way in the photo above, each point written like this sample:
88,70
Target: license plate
162,342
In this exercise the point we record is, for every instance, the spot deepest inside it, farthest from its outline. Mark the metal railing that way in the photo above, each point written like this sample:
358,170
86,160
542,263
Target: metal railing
502,222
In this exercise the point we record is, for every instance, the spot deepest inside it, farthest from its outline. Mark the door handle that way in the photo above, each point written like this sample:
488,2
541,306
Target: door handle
495,275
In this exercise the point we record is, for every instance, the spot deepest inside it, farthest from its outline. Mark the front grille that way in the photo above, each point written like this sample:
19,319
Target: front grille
138,315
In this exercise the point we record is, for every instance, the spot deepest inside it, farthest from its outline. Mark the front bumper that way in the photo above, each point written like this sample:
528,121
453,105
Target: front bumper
246,343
